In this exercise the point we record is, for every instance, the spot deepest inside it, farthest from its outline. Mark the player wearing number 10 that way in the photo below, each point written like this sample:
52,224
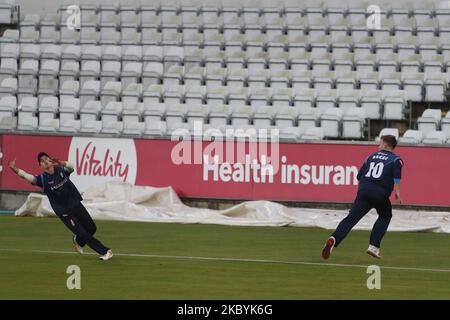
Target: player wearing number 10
379,175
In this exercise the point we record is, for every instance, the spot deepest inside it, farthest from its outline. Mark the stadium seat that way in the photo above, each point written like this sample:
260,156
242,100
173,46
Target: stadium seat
413,85
157,128
429,121
9,50
353,123
445,124
194,76
152,74
8,68
49,125
110,92
283,97
48,109
325,100
263,117
71,53
9,12
48,79
412,137
68,112
304,98
241,116
196,113
195,95
90,111
219,115
153,112
132,119
89,92
313,133
175,115
51,52
29,51
330,121
238,96
173,76
49,23
388,131
132,94
131,73
90,71
285,116
91,52
435,137
289,134
27,116
8,107
307,118
110,118
152,94
28,75
394,104
10,36
435,86
110,72
111,53
8,87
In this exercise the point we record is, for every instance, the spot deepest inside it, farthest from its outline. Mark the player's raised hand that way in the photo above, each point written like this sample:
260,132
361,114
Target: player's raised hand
56,162
12,165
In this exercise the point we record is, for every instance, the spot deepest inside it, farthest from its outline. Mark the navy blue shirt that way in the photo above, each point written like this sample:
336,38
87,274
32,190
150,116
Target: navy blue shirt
380,171
61,192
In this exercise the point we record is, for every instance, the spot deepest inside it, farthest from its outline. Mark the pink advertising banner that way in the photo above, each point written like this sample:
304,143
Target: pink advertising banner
232,170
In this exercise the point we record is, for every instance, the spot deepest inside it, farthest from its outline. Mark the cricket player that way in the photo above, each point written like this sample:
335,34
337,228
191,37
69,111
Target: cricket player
379,175
65,200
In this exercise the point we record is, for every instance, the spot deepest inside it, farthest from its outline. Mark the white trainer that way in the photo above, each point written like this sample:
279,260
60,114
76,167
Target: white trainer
78,248
374,251
108,255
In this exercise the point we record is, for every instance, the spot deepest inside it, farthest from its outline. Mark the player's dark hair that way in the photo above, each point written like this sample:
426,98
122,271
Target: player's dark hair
40,155
390,140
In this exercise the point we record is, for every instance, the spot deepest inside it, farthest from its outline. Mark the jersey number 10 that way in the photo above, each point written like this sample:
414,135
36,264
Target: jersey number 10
375,170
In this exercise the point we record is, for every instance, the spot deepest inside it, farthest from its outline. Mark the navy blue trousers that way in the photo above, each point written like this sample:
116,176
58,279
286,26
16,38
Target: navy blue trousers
81,224
366,200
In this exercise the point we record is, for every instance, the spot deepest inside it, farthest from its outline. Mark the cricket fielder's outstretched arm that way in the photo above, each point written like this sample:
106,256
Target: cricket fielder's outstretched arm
68,167
24,175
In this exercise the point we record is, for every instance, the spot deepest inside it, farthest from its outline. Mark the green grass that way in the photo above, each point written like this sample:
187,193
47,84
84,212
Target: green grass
38,275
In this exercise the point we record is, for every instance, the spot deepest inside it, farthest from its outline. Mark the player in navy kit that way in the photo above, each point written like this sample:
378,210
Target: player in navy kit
65,200
379,175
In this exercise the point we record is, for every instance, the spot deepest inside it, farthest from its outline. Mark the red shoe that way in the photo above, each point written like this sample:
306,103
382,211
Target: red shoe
329,245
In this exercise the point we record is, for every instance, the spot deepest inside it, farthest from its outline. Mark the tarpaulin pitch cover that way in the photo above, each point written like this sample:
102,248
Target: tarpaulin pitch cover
126,202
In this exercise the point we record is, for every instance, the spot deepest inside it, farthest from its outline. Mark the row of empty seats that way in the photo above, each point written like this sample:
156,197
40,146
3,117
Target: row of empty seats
432,120
252,9
428,137
116,117
200,36
292,59
210,20
387,104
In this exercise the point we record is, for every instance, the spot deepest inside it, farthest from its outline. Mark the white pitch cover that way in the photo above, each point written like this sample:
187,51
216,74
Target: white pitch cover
126,202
